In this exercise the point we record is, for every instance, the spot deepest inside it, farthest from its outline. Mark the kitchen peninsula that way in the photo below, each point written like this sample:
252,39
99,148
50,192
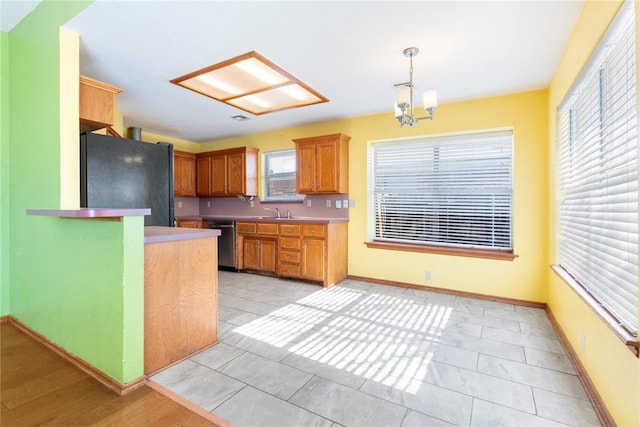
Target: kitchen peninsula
180,294
180,287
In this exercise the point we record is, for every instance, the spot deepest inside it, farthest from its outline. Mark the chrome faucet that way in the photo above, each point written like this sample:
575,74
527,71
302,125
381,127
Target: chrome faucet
274,210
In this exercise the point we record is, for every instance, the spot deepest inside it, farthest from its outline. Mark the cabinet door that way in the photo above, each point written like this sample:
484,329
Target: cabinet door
219,175
187,177
326,167
203,176
312,262
235,174
251,253
306,168
267,255
177,185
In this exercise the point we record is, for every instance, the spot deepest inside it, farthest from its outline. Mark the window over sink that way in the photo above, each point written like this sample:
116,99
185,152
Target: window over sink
279,176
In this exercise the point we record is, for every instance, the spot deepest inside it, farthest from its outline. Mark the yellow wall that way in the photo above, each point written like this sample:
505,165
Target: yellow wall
523,278
611,366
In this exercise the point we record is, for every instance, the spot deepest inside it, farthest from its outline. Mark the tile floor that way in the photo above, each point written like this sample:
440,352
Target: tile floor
362,354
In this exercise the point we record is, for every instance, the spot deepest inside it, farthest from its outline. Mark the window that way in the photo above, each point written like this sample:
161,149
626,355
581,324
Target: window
597,237
453,191
280,175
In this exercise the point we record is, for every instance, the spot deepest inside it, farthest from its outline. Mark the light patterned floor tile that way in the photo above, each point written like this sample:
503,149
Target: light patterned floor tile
344,376
476,384
484,346
530,341
487,414
416,419
428,399
558,382
198,384
549,360
347,406
217,355
254,408
565,409
274,378
367,354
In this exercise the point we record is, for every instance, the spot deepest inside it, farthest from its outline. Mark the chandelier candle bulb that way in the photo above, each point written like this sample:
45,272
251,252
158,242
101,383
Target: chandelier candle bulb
430,99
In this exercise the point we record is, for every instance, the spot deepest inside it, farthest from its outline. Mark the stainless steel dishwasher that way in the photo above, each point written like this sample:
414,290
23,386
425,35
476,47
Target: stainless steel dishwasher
226,244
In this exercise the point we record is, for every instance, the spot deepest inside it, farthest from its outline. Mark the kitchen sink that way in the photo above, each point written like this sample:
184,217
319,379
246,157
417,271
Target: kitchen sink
284,218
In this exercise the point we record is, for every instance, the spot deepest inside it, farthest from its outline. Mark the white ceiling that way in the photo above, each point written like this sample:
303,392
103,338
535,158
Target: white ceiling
14,11
350,51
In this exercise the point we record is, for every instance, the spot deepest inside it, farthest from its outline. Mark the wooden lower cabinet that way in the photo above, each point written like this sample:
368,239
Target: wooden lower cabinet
259,254
307,251
312,265
188,223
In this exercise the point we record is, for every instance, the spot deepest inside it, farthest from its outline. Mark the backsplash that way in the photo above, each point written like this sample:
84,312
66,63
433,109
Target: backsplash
186,206
234,206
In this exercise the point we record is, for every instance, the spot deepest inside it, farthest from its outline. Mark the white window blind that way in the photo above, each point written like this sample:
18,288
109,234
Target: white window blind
598,175
446,191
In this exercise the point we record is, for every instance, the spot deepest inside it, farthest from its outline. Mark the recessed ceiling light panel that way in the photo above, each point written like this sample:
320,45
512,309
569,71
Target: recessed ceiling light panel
252,83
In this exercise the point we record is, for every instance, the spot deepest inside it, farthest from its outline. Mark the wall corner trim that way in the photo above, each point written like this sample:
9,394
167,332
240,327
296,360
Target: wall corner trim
85,367
589,387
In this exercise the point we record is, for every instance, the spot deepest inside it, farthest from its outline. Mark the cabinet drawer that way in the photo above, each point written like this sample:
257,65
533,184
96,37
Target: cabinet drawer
313,230
187,223
267,228
289,270
288,256
289,243
289,230
246,227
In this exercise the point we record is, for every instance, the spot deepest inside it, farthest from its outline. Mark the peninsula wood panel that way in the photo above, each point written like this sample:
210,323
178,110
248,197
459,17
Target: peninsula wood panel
180,300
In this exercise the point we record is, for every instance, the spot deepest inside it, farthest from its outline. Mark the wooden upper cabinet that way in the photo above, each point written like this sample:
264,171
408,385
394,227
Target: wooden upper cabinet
219,173
184,174
322,164
231,172
97,104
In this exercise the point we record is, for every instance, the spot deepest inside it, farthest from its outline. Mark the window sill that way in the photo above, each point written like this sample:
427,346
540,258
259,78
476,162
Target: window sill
627,338
444,250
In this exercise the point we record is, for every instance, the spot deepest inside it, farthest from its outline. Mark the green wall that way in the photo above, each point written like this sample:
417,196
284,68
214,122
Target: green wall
80,283
4,173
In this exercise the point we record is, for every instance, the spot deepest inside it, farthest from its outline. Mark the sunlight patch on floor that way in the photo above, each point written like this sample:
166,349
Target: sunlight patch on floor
385,338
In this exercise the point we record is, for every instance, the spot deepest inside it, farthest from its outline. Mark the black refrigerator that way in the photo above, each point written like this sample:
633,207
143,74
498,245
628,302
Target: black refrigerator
124,173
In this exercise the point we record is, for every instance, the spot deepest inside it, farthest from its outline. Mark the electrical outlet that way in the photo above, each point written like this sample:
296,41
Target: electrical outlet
345,204
427,274
327,203
308,203
338,204
179,204
583,340
352,203
208,204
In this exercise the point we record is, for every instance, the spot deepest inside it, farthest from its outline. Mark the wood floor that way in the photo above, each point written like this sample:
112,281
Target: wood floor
37,387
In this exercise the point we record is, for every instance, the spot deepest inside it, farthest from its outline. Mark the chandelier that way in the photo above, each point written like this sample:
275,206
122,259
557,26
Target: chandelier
404,96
